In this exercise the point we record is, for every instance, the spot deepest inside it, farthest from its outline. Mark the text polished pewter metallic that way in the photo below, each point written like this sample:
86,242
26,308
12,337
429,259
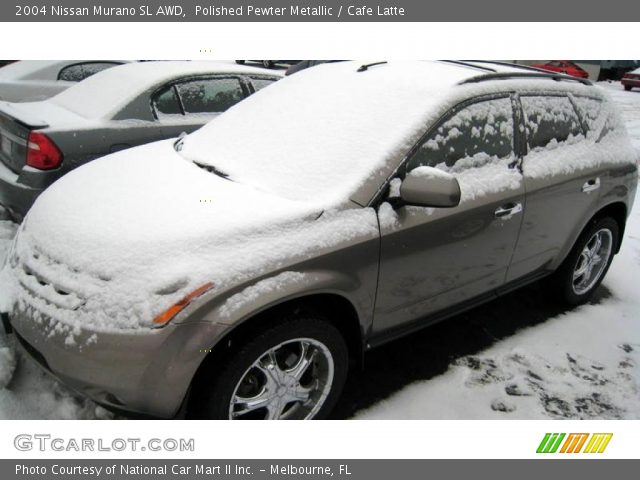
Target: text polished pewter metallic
264,11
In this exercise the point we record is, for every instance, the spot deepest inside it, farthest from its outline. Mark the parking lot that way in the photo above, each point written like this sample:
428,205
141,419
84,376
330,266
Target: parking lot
519,357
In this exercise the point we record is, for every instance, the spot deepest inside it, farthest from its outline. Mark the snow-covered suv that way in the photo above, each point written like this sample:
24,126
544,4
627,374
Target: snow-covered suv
249,264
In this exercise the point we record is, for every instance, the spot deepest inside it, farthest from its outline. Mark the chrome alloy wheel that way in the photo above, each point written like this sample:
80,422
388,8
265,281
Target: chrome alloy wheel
289,381
592,261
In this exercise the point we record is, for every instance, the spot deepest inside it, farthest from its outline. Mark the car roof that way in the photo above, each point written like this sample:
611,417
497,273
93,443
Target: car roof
106,93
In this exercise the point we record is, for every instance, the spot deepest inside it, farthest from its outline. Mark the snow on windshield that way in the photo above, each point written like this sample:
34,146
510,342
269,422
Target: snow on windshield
319,134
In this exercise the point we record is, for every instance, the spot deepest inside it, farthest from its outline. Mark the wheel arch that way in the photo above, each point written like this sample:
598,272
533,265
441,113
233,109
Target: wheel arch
334,307
615,210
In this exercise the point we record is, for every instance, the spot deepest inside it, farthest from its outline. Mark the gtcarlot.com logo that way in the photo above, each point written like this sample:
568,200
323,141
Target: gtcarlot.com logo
574,443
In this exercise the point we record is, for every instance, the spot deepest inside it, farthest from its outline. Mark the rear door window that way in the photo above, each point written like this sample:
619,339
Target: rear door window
550,121
472,137
211,95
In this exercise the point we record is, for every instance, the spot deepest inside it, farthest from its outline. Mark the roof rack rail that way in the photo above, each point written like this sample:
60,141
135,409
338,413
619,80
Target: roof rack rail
508,64
470,65
516,75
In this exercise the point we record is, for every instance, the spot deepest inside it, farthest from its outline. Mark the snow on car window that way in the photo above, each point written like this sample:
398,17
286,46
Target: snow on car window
550,121
589,109
476,145
470,138
210,95
605,143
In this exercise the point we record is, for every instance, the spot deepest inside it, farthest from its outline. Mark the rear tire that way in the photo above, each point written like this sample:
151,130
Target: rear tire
628,87
266,378
583,270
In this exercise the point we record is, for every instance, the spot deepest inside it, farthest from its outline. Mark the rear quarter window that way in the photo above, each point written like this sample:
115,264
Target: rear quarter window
166,102
598,117
260,83
80,71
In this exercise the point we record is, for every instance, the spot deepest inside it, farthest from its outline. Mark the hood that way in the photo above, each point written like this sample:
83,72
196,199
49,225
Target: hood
148,206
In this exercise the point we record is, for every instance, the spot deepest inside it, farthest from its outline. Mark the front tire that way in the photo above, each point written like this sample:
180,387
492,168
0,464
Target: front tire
627,87
295,370
588,262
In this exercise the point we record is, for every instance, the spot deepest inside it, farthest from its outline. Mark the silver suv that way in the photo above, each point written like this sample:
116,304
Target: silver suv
247,266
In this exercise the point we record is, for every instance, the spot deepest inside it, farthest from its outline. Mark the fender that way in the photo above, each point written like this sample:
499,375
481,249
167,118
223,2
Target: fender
609,196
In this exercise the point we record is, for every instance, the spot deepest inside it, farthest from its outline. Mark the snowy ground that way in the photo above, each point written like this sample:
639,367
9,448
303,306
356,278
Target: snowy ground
518,357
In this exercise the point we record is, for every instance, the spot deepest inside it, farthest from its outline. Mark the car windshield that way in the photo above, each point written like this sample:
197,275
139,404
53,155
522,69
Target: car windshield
320,134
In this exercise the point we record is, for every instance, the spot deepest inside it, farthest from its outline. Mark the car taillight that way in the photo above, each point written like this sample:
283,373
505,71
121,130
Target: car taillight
42,153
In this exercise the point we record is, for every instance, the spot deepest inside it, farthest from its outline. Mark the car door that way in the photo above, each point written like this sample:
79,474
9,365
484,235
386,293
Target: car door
435,258
186,105
562,187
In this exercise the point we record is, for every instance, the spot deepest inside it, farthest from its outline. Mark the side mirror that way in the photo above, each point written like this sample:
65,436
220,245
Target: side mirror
430,187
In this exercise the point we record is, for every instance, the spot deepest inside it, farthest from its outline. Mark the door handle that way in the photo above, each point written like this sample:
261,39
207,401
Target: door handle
505,212
591,185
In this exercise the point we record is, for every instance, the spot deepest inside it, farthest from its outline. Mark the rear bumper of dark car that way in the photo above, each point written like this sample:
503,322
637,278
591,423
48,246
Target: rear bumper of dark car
15,196
632,82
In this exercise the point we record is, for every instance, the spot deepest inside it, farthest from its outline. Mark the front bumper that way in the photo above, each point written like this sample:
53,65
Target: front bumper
143,372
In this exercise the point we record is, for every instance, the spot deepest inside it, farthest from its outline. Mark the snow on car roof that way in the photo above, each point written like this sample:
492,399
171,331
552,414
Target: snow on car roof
322,133
106,93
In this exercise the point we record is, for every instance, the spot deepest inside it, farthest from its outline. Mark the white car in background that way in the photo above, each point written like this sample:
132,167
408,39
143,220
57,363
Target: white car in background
32,80
113,110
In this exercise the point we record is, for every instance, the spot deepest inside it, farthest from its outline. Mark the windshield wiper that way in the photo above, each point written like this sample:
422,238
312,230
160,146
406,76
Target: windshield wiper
214,170
177,146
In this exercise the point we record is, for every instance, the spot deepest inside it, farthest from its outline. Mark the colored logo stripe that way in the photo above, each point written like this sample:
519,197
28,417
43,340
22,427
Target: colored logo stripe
598,442
574,443
595,442
550,443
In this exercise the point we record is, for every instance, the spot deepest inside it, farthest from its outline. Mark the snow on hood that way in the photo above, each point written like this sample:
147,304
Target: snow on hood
146,226
149,196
